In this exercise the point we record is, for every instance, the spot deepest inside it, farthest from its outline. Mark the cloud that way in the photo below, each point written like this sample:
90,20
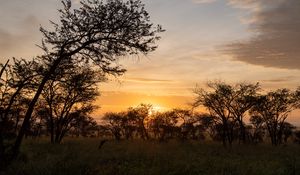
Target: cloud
147,80
20,41
246,4
279,80
203,1
6,41
276,38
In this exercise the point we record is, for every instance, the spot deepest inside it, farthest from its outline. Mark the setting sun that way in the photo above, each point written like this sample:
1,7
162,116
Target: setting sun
156,108
149,87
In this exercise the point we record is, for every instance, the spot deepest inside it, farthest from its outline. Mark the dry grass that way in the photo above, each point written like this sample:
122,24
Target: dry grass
81,156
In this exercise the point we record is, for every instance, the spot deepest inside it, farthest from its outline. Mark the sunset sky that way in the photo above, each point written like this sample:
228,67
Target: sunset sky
230,40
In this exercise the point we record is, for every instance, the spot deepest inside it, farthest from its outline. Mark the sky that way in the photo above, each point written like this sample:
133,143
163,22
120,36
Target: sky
205,40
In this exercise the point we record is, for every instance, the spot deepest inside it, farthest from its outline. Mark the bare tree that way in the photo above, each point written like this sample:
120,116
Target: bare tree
97,33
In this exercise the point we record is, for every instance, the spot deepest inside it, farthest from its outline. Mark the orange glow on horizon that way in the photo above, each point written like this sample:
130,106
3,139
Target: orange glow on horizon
120,101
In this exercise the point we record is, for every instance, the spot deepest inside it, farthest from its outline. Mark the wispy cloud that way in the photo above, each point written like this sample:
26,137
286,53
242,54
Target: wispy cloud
148,80
276,38
203,1
246,4
279,80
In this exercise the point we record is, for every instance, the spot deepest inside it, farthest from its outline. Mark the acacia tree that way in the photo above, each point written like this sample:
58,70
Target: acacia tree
18,81
207,123
139,115
84,125
274,108
67,99
16,84
3,88
126,123
258,128
240,101
164,125
186,123
98,33
115,123
229,104
216,102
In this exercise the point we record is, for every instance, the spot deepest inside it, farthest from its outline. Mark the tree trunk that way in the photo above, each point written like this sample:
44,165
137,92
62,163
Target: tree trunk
26,121
52,129
2,149
17,123
2,152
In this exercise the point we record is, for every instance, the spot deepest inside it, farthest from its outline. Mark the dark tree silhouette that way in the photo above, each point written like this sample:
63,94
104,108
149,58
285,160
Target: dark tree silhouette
241,99
208,124
297,136
97,33
138,115
126,124
164,125
3,123
229,105
273,108
115,123
185,123
17,82
287,131
67,98
258,129
216,102
84,125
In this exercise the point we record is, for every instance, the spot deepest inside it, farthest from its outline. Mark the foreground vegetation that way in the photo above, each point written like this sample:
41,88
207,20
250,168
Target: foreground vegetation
82,156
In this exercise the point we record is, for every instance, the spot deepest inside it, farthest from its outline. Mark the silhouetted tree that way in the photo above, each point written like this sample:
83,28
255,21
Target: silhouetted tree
208,123
67,99
84,125
216,102
274,108
164,125
287,131
17,82
98,33
114,123
138,115
240,100
297,136
229,104
258,129
186,122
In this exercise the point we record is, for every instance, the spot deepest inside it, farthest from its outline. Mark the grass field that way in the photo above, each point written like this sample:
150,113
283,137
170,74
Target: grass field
81,156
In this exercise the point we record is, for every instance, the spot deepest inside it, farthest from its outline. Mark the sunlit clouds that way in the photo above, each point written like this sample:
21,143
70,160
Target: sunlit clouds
230,40
275,42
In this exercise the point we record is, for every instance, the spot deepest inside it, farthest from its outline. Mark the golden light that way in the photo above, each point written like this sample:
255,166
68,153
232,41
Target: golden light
156,108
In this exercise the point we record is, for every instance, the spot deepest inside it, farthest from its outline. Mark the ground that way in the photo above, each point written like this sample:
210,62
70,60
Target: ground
82,156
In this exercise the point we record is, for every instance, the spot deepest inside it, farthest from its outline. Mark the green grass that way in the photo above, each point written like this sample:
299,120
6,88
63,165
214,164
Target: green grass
81,156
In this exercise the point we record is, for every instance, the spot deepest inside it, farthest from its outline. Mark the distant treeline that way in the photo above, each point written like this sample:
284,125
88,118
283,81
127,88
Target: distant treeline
226,106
